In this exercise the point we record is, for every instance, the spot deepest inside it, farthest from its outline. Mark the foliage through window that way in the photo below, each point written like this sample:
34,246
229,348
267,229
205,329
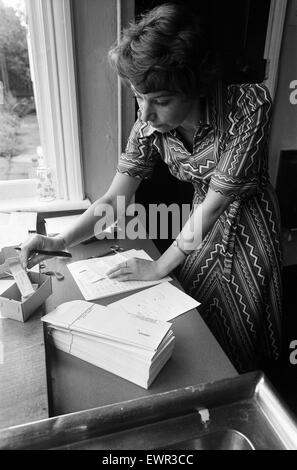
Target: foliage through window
19,130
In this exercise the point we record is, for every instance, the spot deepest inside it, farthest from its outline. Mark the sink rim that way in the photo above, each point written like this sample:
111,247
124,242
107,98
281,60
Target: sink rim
81,426
221,433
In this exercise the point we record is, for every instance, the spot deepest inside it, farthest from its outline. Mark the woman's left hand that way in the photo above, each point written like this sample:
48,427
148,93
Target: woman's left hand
135,269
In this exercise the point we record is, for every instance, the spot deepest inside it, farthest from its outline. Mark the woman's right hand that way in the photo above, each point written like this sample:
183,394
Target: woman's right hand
28,256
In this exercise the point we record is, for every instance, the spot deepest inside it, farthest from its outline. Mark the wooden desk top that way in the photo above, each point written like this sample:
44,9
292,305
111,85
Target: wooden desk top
23,387
77,385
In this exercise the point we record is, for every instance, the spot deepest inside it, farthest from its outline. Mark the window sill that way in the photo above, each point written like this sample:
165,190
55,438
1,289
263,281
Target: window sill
33,204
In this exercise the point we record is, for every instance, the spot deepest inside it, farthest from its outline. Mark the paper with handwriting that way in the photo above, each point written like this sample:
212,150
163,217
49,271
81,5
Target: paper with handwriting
90,275
163,302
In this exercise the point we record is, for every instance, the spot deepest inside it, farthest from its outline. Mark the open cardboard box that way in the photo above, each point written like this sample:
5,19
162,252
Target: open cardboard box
12,305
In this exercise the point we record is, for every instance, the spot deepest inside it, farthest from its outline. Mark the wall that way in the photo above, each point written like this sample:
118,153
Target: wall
284,123
95,29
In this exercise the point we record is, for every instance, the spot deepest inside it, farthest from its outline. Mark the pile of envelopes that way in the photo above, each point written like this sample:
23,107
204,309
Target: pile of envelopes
130,345
131,337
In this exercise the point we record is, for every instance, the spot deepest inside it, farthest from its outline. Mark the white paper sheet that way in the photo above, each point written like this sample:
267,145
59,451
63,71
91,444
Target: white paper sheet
163,302
21,278
56,225
4,285
11,235
4,218
105,286
27,219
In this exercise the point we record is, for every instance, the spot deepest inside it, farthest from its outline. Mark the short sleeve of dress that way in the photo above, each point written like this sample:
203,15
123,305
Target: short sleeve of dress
241,162
140,155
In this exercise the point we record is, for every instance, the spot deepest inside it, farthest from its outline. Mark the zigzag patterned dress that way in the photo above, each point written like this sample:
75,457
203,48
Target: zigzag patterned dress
236,272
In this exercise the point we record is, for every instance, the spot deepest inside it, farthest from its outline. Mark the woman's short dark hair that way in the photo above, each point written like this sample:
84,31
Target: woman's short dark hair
165,50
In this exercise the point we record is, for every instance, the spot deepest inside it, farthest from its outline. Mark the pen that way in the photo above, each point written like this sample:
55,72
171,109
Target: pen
65,254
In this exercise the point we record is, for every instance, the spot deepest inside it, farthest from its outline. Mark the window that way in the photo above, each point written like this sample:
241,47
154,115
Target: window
19,129
52,63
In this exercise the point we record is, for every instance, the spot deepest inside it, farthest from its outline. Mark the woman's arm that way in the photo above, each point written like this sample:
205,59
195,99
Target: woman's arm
116,198
85,227
192,234
198,225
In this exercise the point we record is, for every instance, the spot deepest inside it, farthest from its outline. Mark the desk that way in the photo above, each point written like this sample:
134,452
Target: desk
76,385
23,385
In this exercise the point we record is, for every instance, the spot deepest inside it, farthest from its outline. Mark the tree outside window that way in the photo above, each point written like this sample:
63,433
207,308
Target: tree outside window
19,132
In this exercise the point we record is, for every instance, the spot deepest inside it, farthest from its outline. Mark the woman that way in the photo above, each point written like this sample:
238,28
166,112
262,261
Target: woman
215,137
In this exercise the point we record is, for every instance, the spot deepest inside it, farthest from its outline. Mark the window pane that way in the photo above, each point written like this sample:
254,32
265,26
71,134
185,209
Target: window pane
19,129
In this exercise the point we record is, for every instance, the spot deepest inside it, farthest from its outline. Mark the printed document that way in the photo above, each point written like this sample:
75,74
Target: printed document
163,302
90,275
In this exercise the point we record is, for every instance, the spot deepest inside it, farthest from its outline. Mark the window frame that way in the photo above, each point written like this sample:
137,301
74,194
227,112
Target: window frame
52,61
52,64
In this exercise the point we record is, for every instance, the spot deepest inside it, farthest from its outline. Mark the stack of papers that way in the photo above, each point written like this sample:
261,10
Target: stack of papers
90,275
132,346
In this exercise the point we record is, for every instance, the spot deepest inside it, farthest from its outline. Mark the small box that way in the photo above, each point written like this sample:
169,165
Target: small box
12,305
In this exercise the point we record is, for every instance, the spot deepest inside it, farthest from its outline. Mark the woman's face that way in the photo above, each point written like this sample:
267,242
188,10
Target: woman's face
164,110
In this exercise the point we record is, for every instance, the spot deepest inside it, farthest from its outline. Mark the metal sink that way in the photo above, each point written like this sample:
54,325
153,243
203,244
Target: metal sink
221,440
242,412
